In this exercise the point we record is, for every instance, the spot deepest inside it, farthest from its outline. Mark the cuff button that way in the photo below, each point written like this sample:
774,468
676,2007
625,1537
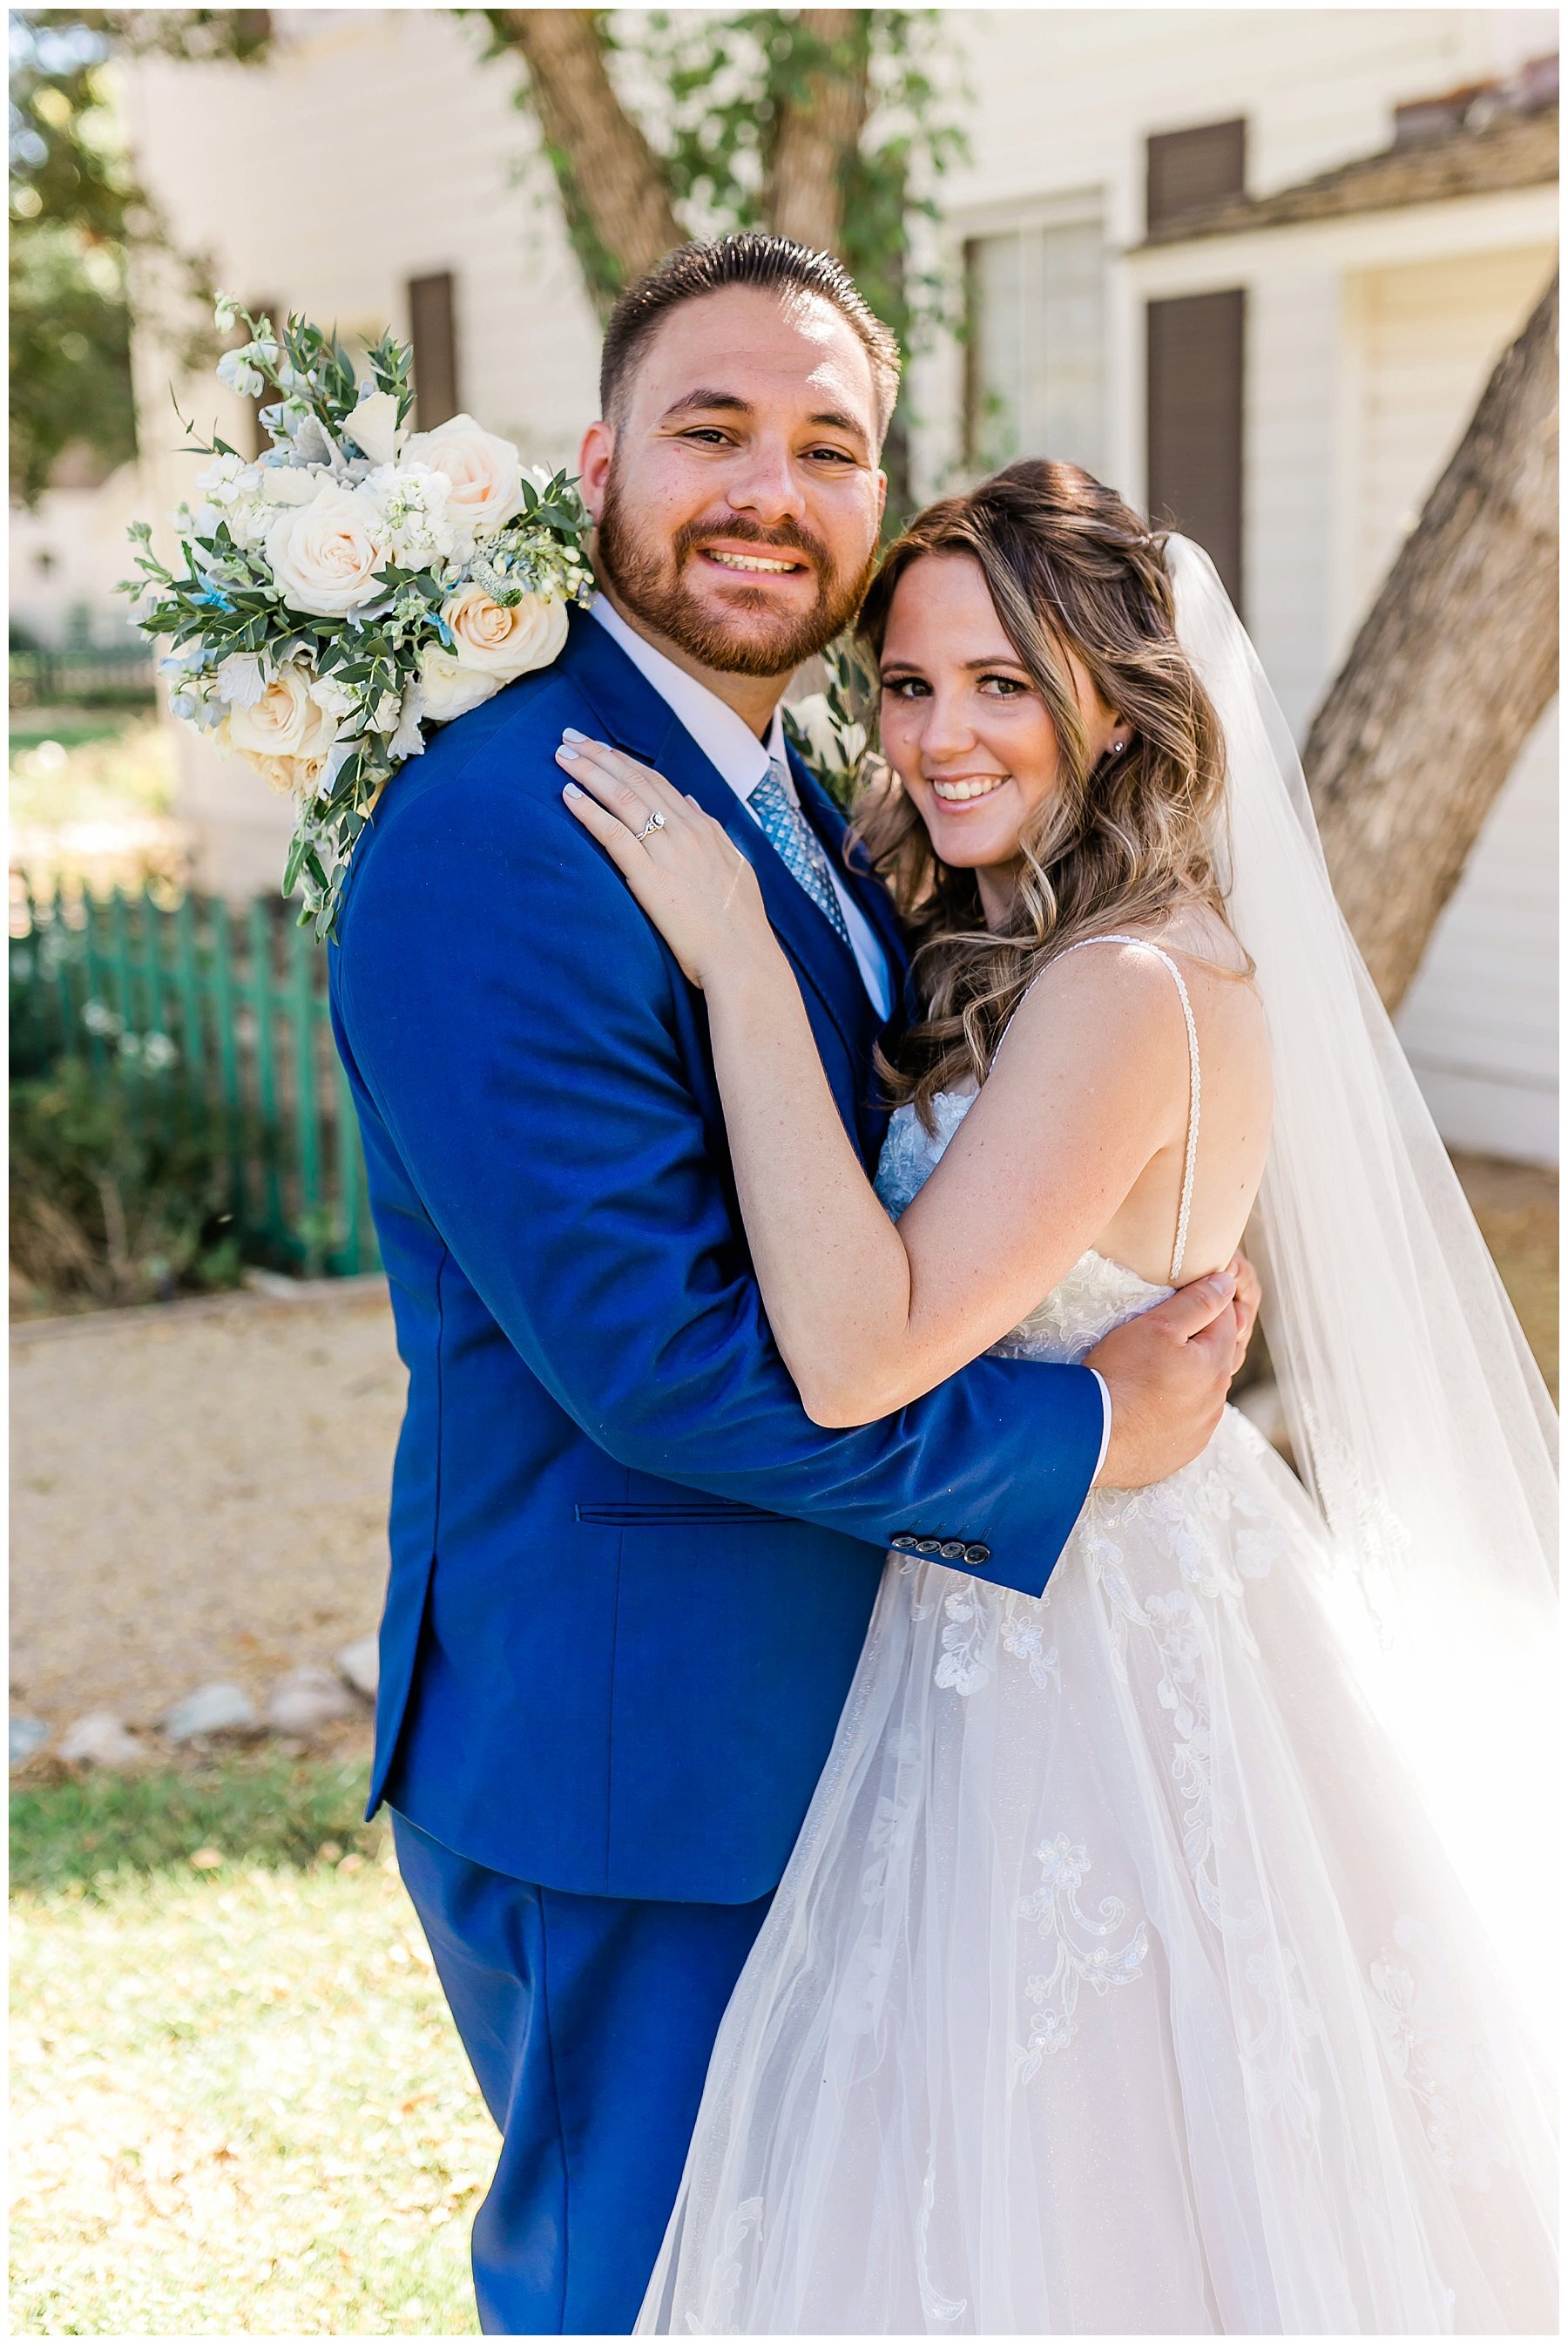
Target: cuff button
952,1551
977,1554
902,1543
930,1546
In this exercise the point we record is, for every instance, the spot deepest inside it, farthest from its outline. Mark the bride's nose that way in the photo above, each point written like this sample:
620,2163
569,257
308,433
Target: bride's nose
948,731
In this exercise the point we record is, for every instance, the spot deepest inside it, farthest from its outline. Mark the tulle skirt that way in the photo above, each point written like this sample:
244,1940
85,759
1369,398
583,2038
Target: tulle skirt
1116,1984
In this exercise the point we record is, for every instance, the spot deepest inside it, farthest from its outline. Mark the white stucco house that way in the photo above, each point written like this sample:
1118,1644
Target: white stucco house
1255,265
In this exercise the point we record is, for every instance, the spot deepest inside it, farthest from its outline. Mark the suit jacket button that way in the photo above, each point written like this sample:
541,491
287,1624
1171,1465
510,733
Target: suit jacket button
952,1549
902,1543
931,1546
977,1554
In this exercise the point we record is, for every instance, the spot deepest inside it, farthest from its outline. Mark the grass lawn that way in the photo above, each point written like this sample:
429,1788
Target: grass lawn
238,2104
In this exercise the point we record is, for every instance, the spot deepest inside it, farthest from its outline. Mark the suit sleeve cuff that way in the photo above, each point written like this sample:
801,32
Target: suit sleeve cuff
1105,1435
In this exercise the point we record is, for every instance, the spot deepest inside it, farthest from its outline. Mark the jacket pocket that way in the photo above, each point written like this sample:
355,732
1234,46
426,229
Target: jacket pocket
670,1514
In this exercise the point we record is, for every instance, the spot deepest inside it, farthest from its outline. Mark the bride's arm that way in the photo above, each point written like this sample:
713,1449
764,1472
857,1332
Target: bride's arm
869,1315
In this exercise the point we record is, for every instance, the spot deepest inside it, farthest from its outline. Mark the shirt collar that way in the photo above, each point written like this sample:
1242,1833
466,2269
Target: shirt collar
726,739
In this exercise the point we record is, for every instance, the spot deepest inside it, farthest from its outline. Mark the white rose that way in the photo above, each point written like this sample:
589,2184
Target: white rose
501,641
485,472
325,555
448,689
286,721
373,427
329,695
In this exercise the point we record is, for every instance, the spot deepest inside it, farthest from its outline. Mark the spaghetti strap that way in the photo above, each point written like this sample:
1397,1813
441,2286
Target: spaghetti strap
1195,1079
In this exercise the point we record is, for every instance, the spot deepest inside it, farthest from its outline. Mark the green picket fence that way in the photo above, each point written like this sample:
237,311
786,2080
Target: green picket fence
234,1002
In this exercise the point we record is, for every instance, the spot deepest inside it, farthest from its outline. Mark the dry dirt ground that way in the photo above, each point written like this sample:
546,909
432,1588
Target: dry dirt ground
200,1490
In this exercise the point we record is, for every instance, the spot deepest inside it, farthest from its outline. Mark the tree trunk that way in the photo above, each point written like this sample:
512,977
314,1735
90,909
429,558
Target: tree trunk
611,182
820,126
1452,668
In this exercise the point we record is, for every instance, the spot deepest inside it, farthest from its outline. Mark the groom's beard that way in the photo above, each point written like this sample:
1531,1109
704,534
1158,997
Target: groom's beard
753,637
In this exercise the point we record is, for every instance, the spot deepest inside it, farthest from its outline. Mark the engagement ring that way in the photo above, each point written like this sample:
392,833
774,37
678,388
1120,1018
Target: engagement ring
655,822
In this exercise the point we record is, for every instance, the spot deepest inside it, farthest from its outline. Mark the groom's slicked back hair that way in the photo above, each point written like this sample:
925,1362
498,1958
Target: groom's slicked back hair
772,264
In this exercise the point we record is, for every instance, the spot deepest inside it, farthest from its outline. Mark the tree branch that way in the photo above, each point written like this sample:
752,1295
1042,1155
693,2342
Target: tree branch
1452,668
611,181
821,120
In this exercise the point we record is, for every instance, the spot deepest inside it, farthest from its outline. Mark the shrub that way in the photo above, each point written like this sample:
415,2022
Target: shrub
120,1187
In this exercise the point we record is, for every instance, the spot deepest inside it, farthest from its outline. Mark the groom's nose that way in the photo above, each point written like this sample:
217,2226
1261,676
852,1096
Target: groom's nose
769,485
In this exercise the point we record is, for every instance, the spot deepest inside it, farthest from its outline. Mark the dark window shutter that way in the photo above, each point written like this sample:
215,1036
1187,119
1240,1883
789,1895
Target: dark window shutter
433,330
1189,168
1196,358
259,441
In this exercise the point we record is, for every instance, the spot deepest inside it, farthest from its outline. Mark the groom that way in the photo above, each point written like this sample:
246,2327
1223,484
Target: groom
630,1579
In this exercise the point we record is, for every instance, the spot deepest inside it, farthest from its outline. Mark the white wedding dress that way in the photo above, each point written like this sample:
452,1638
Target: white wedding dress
1116,1983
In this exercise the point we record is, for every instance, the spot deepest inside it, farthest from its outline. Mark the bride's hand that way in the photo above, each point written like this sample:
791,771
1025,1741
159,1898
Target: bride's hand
692,881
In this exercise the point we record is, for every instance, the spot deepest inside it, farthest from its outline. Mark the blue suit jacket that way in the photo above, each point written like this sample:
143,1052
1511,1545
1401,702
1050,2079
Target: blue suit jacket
629,1577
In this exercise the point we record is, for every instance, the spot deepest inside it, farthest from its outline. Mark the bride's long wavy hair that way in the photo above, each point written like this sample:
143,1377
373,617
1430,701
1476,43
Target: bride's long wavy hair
1123,842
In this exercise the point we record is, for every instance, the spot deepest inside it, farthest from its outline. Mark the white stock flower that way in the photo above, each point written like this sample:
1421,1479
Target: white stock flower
373,427
412,502
331,696
486,473
500,642
325,555
449,689
228,480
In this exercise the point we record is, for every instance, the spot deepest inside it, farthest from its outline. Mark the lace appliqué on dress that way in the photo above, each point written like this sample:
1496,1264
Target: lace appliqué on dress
1438,2066
1083,1955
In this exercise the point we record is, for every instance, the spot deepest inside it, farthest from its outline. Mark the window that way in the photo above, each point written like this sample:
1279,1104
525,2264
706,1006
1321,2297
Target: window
1187,169
433,330
1196,358
1036,351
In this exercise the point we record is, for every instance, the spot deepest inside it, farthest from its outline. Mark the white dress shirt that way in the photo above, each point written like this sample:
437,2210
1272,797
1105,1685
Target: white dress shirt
731,747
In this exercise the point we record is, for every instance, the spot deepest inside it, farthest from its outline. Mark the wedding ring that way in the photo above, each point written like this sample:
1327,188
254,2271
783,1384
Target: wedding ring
655,822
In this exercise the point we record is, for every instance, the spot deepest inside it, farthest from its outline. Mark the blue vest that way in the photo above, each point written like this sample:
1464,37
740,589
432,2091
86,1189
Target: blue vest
629,1577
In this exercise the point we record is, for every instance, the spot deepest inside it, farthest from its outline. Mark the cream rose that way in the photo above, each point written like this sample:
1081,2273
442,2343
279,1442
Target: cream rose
286,721
485,472
325,555
502,642
448,689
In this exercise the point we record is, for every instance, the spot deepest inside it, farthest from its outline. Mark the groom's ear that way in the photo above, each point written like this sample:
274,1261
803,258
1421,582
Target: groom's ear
593,464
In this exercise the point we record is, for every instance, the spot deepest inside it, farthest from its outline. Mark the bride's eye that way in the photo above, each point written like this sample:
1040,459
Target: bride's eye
1007,687
905,687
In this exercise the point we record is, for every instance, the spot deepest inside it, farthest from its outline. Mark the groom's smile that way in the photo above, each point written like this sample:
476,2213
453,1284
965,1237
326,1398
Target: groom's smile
736,487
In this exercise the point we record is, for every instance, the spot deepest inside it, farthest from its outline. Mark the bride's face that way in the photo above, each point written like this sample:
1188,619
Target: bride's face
964,726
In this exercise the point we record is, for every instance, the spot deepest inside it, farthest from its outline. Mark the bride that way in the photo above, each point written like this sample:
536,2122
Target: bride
1161,1956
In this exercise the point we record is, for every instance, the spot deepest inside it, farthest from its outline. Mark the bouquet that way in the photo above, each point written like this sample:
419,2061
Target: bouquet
354,586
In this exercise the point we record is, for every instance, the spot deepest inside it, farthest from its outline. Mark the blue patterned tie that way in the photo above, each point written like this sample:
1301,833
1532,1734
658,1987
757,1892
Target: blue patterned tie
786,827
